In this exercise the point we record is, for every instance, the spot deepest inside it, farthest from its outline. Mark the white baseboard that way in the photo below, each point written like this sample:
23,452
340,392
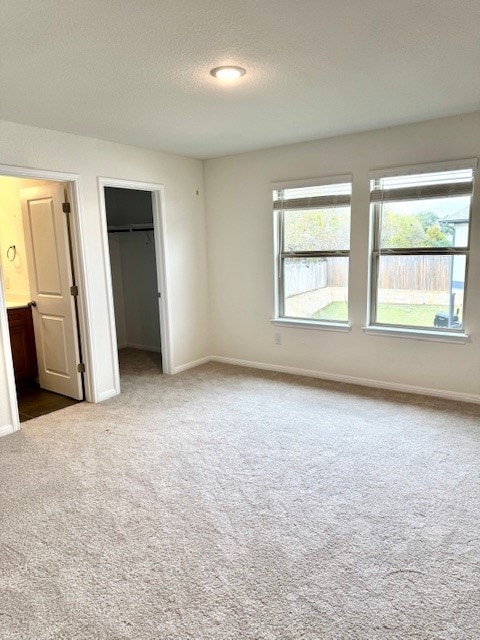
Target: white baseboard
7,430
364,382
192,364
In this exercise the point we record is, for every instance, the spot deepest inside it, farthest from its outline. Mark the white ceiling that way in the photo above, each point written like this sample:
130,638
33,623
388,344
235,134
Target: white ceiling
137,71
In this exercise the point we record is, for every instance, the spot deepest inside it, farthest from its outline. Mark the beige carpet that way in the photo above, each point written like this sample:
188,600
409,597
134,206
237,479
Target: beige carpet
226,503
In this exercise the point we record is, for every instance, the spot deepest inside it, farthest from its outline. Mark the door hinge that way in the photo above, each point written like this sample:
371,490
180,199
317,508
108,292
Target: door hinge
66,207
74,290
81,368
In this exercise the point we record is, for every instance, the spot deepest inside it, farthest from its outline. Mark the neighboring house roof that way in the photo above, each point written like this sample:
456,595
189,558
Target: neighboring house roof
463,215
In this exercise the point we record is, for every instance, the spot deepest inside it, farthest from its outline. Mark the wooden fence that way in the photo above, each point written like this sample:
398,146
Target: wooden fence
425,273
401,272
305,275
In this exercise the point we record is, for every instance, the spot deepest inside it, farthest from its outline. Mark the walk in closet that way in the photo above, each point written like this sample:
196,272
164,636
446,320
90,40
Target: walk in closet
133,267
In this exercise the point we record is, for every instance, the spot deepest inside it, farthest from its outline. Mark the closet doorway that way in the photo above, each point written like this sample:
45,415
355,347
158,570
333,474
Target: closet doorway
138,293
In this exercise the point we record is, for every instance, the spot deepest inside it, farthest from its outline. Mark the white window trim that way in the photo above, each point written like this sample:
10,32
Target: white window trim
283,321
343,327
311,182
431,167
399,331
416,334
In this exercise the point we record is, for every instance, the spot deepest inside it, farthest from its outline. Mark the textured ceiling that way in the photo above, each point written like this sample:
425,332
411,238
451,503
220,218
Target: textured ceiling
137,71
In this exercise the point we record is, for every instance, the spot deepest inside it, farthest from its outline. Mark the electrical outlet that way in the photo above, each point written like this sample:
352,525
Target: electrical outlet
7,282
278,338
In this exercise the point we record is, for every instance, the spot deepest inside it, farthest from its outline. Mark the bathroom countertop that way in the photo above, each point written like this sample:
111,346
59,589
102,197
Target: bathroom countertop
18,302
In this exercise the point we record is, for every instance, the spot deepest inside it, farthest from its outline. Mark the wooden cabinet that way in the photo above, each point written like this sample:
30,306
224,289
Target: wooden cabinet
22,340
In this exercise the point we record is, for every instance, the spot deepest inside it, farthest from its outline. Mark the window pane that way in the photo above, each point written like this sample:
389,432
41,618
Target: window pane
421,291
317,230
316,288
439,222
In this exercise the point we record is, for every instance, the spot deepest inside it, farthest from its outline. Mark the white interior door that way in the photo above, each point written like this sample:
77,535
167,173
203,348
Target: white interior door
50,276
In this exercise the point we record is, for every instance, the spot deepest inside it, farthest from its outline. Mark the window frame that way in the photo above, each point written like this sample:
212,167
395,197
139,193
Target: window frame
376,252
280,256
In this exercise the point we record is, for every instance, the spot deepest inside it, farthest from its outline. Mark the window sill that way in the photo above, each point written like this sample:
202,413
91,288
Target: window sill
417,334
312,324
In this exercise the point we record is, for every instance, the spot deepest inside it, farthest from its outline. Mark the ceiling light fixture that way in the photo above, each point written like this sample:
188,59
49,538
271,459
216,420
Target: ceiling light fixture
227,72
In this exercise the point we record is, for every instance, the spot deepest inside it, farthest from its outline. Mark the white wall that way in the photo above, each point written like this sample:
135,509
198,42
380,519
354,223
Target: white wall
240,256
185,233
240,247
135,289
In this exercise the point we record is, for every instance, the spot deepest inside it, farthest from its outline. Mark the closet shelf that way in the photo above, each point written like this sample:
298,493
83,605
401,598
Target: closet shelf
130,228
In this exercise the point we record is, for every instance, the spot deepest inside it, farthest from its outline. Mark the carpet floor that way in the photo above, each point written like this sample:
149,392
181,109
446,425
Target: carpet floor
227,503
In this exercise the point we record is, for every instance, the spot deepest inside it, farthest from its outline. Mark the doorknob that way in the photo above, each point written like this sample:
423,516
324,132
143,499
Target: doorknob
32,303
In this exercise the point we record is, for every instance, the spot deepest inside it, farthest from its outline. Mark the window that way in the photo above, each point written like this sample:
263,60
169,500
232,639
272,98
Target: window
420,243
313,247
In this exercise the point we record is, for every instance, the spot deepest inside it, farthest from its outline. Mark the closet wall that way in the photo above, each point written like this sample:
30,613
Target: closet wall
135,290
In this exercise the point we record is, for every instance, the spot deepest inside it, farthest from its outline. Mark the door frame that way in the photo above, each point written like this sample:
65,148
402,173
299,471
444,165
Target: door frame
79,261
160,234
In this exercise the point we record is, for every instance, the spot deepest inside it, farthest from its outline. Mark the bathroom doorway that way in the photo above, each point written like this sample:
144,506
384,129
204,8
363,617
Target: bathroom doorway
40,294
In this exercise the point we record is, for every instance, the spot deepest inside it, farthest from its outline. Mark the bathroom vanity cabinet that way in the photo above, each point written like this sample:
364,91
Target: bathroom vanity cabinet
22,341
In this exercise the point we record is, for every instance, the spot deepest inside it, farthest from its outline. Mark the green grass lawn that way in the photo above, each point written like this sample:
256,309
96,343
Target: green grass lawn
333,311
416,315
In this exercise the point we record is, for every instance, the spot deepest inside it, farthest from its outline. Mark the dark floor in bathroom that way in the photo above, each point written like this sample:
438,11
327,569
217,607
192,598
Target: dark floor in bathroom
34,402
